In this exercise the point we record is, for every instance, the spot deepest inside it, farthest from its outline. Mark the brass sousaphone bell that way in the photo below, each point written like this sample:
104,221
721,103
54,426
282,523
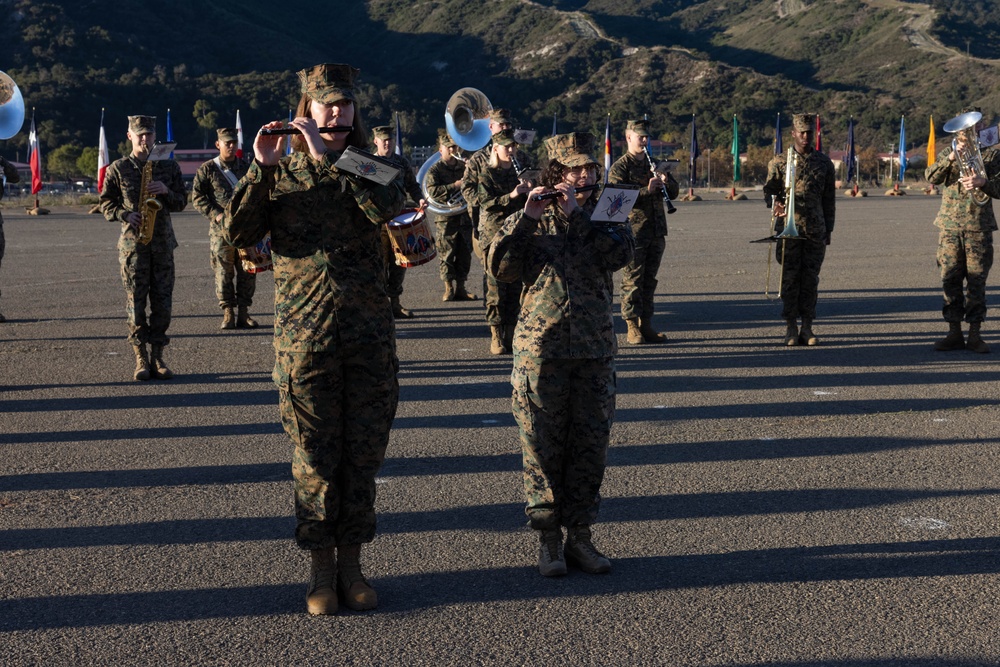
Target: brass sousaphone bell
467,120
11,107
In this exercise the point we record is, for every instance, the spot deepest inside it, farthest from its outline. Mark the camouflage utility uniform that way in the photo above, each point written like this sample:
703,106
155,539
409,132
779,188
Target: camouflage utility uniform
649,226
335,357
564,346
503,299
147,270
965,242
815,192
9,173
454,232
210,193
394,274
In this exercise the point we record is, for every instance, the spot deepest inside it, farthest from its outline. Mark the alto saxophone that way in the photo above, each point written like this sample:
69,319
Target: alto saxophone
149,205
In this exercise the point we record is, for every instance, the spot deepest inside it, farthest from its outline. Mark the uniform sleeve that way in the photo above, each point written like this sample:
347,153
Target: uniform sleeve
176,199
410,185
203,195
248,214
939,172
774,186
507,252
470,182
619,173
991,160
612,246
111,199
439,190
673,187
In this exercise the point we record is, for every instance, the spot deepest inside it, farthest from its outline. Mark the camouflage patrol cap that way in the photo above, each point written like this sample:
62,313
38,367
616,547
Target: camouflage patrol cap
141,124
572,150
804,122
505,138
227,134
637,126
329,83
382,132
444,139
502,117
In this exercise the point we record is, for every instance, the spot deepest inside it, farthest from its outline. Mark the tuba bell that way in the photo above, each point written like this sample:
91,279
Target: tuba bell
969,157
11,107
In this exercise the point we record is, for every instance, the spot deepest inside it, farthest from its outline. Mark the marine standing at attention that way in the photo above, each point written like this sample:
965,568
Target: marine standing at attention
147,269
454,230
335,354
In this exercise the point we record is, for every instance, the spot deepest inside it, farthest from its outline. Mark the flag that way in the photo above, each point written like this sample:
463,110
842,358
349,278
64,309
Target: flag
777,137
554,124
819,135
399,138
102,157
931,146
34,158
902,147
239,135
170,133
735,150
851,158
607,149
693,159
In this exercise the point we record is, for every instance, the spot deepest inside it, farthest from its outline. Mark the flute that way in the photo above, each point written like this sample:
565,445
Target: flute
555,194
292,130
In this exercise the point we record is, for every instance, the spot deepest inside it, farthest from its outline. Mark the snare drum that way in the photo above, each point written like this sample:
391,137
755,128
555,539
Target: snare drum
411,238
257,259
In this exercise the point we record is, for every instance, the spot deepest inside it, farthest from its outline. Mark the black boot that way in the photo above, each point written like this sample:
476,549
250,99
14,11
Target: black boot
792,333
954,340
975,343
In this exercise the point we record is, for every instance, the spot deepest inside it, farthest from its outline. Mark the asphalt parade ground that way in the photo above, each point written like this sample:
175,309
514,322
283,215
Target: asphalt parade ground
826,506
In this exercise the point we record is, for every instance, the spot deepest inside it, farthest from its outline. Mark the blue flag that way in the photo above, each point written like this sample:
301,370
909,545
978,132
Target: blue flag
693,159
554,124
902,147
851,157
170,133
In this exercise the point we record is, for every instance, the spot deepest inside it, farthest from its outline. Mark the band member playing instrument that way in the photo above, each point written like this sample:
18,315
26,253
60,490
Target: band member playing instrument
965,242
11,176
815,208
211,191
564,346
147,269
500,193
454,231
382,137
335,357
500,119
649,226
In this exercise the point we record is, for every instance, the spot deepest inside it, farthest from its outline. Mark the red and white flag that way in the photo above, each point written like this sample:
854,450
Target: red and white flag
102,157
607,149
34,159
239,135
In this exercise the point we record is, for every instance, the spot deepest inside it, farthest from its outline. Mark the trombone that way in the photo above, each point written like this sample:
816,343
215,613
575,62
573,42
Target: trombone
790,232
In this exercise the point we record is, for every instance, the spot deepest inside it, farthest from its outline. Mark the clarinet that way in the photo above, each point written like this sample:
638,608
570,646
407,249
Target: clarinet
652,169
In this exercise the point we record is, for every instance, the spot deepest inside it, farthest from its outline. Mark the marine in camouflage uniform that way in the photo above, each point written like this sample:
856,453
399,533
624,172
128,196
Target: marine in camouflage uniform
500,119
454,231
965,246
11,176
815,208
394,273
147,270
335,356
211,191
500,193
649,226
564,345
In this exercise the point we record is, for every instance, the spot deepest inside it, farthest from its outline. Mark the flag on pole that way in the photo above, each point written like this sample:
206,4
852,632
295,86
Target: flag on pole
693,159
170,133
735,150
607,149
103,158
777,136
851,158
239,135
399,138
931,146
34,158
902,147
819,135
555,124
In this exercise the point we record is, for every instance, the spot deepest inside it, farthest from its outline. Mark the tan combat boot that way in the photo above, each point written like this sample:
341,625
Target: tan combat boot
634,336
141,362
496,341
321,596
975,342
580,550
228,319
461,294
806,335
159,367
449,291
551,561
351,583
954,339
243,319
791,333
648,333
397,310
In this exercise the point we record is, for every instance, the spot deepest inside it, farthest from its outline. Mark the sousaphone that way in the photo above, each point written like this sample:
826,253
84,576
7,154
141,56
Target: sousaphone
11,107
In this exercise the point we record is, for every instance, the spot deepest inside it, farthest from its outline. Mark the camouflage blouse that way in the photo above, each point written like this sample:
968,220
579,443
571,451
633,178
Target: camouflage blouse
958,211
815,192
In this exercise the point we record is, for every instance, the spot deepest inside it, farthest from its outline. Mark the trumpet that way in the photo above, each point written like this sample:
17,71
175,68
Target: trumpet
293,130
556,194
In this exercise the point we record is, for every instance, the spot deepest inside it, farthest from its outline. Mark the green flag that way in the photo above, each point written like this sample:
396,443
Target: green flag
736,149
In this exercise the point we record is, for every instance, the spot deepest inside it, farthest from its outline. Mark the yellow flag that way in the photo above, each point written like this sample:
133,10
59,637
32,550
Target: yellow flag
931,148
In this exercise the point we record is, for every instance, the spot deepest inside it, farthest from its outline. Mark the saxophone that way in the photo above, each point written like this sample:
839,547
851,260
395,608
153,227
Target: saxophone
149,205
